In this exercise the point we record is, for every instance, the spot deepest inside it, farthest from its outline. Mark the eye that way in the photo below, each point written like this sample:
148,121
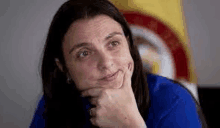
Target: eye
114,43
82,54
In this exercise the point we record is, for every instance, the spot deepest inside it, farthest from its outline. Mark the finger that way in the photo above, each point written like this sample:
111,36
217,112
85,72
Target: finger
94,121
94,101
92,112
94,92
127,77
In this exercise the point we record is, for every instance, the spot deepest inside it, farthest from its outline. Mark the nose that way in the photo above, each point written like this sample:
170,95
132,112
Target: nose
105,61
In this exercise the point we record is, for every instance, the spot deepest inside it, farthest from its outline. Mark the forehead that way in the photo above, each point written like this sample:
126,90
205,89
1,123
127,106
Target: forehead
98,26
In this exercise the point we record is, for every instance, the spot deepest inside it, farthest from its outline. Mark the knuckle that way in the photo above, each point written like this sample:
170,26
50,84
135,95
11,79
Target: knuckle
95,121
93,101
86,93
104,92
99,112
99,102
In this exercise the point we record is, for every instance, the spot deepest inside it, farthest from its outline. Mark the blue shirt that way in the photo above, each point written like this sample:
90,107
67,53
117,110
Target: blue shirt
172,106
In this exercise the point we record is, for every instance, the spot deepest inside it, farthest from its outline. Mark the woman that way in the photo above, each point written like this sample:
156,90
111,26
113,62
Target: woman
93,76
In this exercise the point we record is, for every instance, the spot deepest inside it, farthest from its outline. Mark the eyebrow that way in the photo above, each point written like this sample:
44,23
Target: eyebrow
89,44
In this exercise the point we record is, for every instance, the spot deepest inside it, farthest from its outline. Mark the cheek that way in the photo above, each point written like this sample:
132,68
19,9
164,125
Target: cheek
124,59
125,56
78,72
82,75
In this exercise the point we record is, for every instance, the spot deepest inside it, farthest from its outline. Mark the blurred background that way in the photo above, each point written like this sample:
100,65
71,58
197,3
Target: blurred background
176,39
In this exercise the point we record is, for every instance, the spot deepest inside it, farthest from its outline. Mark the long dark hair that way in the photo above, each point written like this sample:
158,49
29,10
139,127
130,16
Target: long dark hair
63,104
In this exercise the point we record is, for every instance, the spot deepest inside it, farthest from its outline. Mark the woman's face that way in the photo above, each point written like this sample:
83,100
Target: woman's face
94,48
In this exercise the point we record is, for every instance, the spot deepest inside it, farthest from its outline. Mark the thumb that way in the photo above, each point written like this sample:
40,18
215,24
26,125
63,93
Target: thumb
127,77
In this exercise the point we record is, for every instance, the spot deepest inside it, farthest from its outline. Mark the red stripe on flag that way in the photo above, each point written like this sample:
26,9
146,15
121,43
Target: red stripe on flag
169,37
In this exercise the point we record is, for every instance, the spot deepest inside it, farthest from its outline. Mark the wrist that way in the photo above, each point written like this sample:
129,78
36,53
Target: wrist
137,122
138,125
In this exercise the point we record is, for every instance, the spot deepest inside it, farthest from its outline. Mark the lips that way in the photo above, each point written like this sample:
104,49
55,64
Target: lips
110,77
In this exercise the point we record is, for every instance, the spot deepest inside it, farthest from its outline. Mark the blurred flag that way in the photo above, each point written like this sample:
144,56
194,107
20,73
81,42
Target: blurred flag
160,33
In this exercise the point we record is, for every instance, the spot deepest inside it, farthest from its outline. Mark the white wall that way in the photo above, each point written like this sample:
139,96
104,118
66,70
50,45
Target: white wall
203,18
23,28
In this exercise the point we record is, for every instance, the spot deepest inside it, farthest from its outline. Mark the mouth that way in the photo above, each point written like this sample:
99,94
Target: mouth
110,77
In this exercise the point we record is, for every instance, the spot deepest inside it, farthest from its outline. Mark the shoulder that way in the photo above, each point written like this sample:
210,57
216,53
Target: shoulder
41,106
166,91
159,85
170,101
38,120
164,88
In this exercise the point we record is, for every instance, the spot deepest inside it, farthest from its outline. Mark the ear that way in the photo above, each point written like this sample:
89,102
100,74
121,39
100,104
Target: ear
59,64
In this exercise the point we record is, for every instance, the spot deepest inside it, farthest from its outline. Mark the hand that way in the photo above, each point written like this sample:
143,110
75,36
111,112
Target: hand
115,107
